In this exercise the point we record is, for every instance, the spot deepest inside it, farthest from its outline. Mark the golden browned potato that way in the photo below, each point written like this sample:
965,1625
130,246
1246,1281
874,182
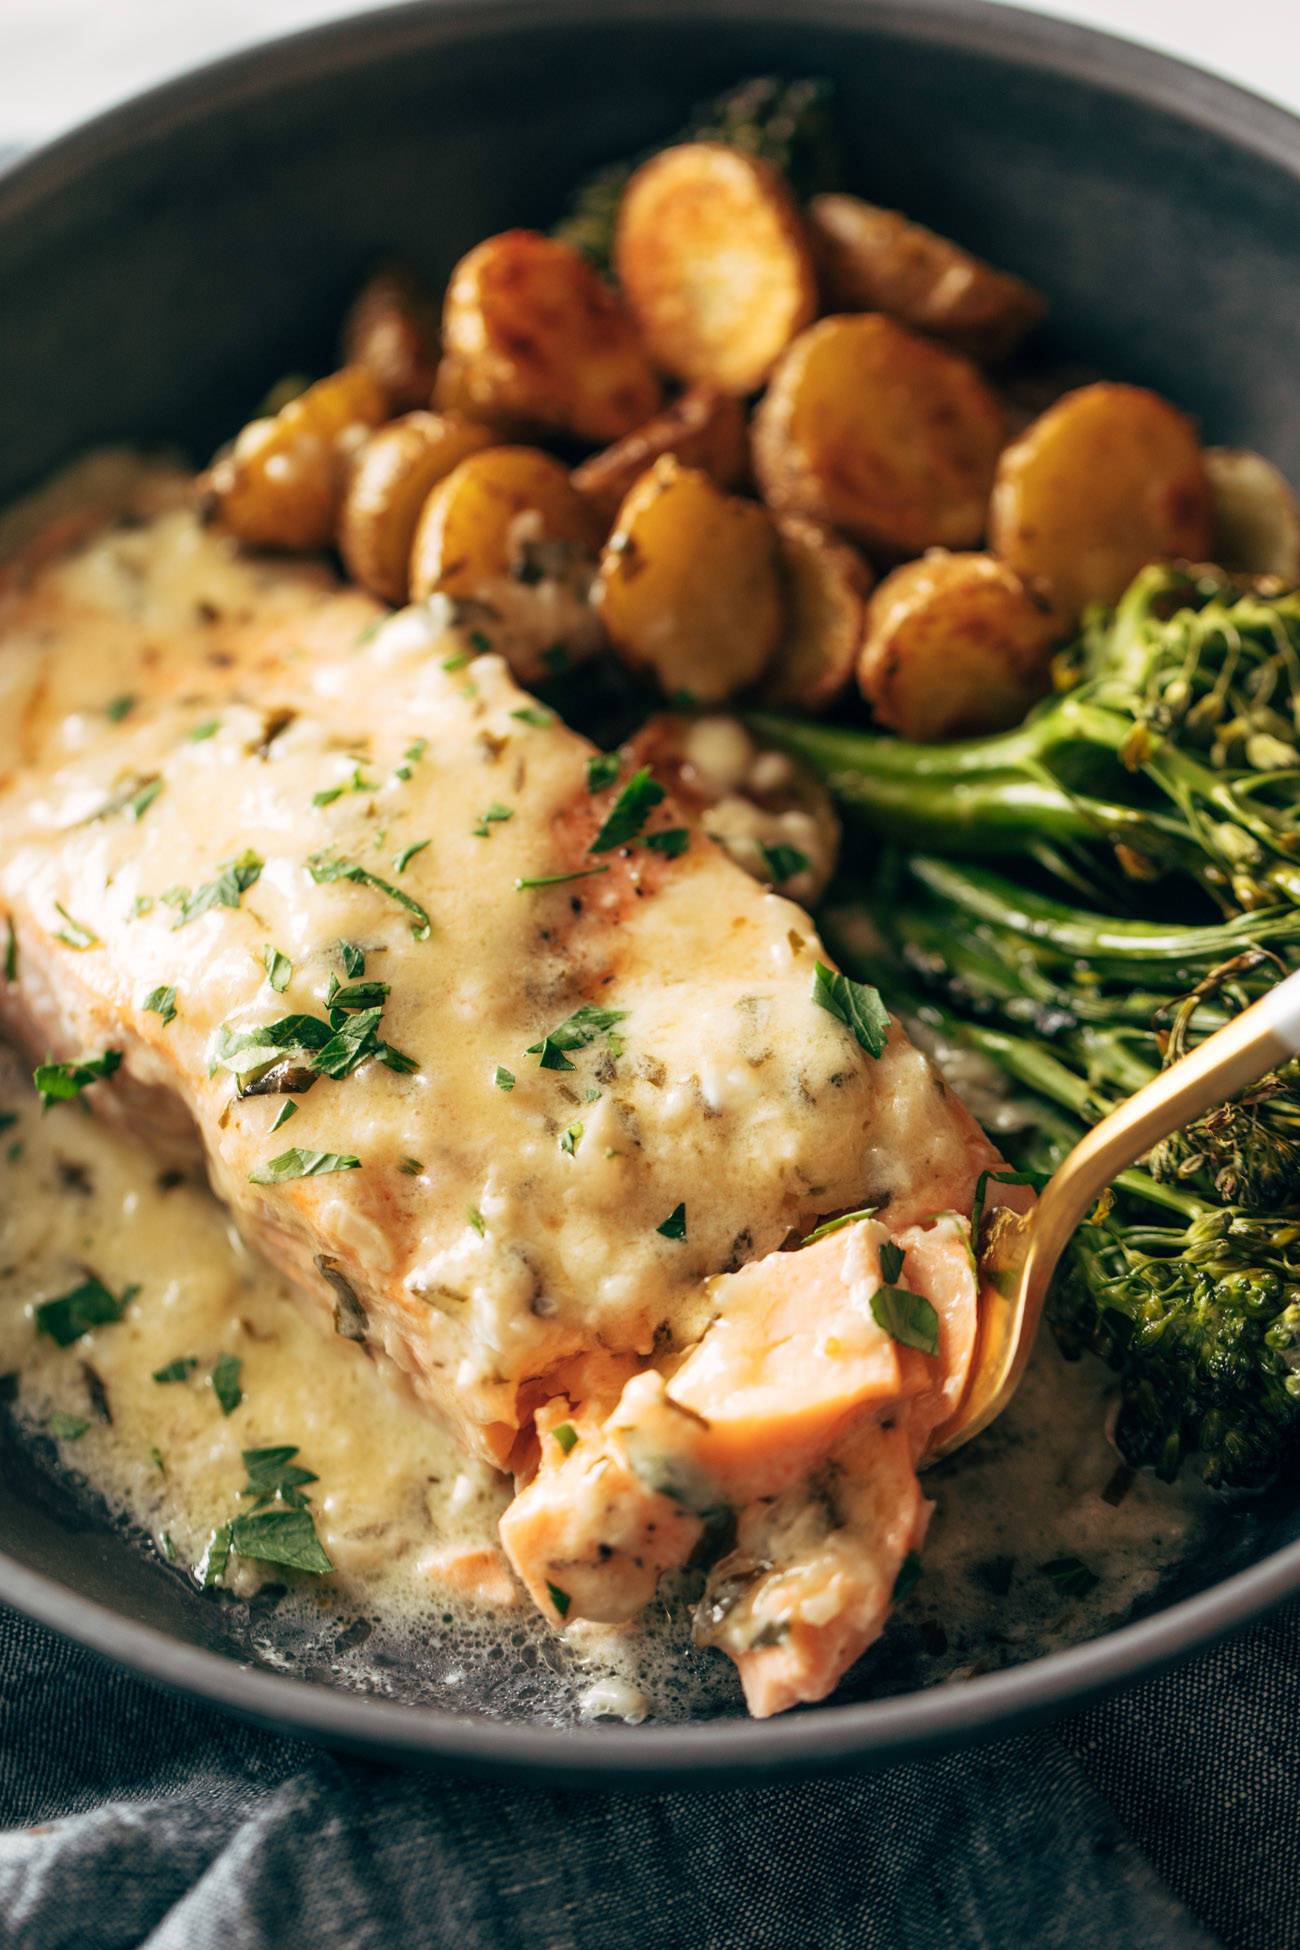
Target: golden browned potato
534,338
388,485
1109,478
704,428
281,483
954,645
476,522
826,585
690,585
713,259
1256,517
392,330
871,259
879,432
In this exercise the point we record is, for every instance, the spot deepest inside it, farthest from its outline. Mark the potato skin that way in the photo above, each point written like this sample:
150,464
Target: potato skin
870,259
826,584
1109,478
703,428
1256,515
390,480
715,265
690,587
392,330
281,483
463,538
535,339
955,645
881,433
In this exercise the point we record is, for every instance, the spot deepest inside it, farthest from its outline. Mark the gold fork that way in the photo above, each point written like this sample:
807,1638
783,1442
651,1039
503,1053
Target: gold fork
1028,1248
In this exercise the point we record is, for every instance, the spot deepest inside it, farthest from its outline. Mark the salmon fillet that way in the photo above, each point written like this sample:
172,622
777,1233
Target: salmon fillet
563,1098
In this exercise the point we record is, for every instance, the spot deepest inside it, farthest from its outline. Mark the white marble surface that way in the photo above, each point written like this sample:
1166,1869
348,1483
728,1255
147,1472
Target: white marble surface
61,60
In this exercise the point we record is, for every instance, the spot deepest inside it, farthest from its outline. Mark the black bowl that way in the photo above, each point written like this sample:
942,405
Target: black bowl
160,267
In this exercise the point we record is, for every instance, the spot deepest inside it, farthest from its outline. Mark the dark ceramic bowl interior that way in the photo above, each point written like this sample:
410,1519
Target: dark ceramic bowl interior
159,268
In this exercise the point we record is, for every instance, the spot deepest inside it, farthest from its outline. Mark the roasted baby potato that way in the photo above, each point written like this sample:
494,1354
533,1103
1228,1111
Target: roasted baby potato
713,260
826,586
690,585
1109,478
281,483
870,259
768,809
388,485
704,428
955,645
879,432
535,339
474,524
1256,517
392,330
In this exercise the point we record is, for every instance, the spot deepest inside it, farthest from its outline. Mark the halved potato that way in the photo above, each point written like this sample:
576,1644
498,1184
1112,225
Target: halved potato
392,330
871,259
1108,479
955,645
389,483
534,338
1256,516
281,483
690,586
712,257
881,433
476,521
703,428
826,584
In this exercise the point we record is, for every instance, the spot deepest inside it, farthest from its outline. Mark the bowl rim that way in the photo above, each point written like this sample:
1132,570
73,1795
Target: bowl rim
873,1732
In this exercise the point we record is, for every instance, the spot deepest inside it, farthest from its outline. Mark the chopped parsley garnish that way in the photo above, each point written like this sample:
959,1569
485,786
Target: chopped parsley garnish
557,879
891,1260
325,867
575,1032
141,800
783,862
68,1428
208,729
156,1457
856,1004
302,1164
211,1567
225,1382
75,935
410,1167
560,1599
233,880
673,841
492,817
1071,1576
566,1435
480,642
503,1079
290,1054
178,1370
476,1219
279,969
58,1083
142,904
402,860
532,714
287,1110
135,798
73,1314
674,1226
458,659
602,770
571,1139
357,783
834,1225
274,1476
906,1317
161,1002
118,708
285,1537
629,812
11,952
354,959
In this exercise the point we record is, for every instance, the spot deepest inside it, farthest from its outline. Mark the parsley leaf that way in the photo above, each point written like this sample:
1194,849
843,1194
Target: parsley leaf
58,1083
73,1314
571,1139
68,1428
856,1004
11,952
354,959
161,1002
1071,1576
629,813
834,1225
208,729
672,842
233,879
302,1164
783,862
674,1226
906,1317
178,1370
279,969
274,1476
503,1079
225,1382
575,1032
211,1567
891,1261
287,1110
402,860
325,867
557,879
286,1537
477,1220
76,934
118,708
602,770
567,1436
560,1599
533,715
